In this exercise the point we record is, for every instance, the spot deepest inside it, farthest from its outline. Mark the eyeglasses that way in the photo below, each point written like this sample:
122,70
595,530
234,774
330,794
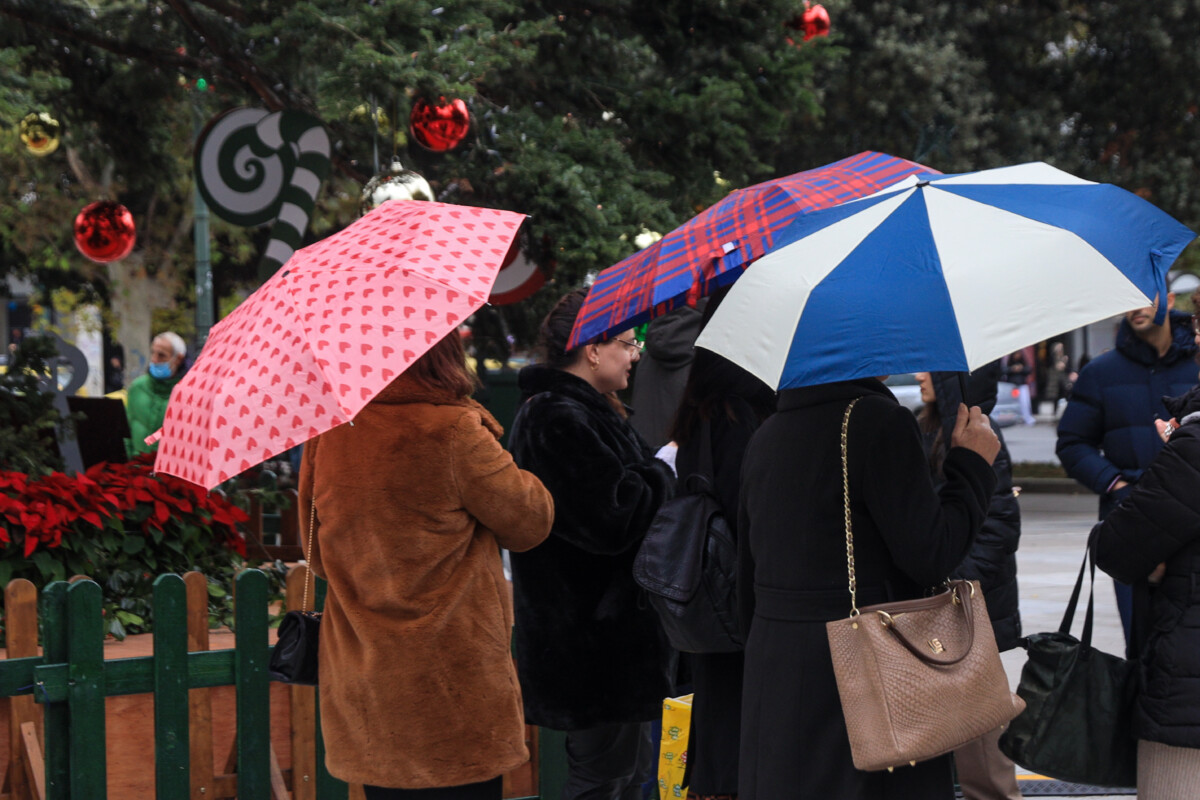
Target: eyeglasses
638,347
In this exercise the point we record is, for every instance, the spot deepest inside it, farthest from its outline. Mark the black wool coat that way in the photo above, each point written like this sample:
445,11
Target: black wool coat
589,648
793,577
1160,522
992,559
717,677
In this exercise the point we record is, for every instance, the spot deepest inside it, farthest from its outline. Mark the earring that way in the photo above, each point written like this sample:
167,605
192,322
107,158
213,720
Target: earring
595,365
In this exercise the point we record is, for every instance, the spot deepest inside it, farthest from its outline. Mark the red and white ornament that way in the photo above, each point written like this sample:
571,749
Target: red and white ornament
518,278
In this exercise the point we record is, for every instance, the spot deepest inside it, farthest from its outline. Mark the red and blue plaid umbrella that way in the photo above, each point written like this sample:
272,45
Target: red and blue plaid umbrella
712,248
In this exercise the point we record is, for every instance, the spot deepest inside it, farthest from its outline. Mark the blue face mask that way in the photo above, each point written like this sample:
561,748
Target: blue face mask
161,371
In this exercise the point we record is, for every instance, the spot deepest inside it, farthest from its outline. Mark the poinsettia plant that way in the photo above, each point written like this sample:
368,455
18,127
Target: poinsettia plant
121,525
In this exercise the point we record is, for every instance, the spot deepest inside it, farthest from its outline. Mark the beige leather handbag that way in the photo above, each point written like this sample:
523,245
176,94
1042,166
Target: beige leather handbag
917,678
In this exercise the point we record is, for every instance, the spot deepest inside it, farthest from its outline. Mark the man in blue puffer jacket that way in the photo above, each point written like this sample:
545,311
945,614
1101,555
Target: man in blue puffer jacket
1106,436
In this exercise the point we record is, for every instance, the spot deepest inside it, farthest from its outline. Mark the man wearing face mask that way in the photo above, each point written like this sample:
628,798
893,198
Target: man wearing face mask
148,394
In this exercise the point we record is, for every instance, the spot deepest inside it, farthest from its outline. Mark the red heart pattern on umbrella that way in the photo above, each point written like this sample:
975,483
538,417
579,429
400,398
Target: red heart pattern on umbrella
327,332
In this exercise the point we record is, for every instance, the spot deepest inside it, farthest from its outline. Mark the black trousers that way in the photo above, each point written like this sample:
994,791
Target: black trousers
610,762
487,790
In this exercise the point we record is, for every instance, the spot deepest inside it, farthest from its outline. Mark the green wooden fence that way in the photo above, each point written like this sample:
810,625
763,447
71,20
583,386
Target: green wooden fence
71,679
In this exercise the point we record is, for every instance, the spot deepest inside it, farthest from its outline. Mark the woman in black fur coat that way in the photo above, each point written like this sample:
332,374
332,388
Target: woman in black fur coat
592,658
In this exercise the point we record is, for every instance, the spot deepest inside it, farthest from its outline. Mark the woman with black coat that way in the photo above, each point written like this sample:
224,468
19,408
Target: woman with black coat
1152,541
731,403
984,773
592,658
792,573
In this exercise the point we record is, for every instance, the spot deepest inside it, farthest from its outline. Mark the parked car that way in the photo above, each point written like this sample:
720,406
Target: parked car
907,390
1008,409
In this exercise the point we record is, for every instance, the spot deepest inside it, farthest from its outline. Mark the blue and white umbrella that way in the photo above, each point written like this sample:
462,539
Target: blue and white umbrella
943,273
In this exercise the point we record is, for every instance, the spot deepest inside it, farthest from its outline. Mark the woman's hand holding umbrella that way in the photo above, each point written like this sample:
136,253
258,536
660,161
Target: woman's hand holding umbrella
973,430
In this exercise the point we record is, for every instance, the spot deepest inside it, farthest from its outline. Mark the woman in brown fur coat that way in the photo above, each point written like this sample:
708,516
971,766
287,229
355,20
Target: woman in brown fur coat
419,697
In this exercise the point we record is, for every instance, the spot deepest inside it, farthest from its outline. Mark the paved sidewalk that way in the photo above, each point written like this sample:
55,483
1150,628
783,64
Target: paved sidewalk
1054,531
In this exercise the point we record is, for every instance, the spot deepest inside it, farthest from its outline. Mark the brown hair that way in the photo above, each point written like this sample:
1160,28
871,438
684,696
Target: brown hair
556,330
444,366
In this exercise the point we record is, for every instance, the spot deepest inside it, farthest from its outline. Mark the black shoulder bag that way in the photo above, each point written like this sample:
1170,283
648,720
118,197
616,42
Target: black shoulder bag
294,659
687,564
1077,724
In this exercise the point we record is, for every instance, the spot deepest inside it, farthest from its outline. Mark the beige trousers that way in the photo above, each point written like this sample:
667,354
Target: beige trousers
984,773
1167,773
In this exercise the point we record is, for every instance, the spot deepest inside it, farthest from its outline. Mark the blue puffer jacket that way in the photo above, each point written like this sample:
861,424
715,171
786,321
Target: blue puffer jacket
1108,426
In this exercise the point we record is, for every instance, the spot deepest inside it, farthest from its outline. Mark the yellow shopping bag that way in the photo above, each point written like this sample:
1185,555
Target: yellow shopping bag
672,754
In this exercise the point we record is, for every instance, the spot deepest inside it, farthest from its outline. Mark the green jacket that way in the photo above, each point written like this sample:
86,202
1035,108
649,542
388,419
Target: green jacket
146,405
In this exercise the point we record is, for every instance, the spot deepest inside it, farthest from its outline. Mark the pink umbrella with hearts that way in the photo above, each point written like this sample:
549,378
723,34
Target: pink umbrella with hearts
328,331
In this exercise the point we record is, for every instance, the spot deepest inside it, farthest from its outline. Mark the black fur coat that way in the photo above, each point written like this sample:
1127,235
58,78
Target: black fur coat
589,649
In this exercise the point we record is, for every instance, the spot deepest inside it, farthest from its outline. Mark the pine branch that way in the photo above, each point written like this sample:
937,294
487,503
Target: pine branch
50,18
225,9
232,59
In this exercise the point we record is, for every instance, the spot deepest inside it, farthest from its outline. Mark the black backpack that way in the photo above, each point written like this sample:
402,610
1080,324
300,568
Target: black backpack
688,565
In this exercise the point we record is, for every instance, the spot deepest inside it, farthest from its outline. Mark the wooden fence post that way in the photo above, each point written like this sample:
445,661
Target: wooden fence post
200,739
253,686
304,704
85,690
56,716
25,767
552,762
171,748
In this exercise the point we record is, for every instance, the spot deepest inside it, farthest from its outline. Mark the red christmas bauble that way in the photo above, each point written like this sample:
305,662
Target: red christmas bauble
816,22
439,127
105,231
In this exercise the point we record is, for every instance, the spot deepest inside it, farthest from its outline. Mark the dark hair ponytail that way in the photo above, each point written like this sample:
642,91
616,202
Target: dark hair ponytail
556,330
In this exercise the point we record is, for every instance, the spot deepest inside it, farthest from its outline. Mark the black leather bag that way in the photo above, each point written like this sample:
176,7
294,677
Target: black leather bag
294,658
1078,720
687,564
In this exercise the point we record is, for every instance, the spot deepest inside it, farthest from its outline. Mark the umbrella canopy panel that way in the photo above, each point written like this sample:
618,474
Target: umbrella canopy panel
331,329
712,248
946,275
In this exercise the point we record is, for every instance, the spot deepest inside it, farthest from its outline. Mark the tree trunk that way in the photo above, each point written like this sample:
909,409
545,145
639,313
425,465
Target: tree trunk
135,296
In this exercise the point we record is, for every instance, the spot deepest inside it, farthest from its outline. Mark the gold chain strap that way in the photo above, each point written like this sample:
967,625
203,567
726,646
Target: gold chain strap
312,534
846,501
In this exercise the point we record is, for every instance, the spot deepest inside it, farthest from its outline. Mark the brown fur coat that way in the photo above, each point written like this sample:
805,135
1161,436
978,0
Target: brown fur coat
413,502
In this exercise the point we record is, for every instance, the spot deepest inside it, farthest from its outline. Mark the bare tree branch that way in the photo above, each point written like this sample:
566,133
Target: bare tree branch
82,174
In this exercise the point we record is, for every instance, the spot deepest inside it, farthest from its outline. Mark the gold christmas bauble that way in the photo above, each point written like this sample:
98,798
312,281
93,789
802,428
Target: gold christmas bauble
39,133
362,114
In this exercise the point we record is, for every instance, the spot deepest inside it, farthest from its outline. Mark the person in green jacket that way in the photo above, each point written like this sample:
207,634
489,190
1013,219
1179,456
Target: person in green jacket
146,404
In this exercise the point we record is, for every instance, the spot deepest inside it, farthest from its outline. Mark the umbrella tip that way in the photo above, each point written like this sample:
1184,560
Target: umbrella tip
922,183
